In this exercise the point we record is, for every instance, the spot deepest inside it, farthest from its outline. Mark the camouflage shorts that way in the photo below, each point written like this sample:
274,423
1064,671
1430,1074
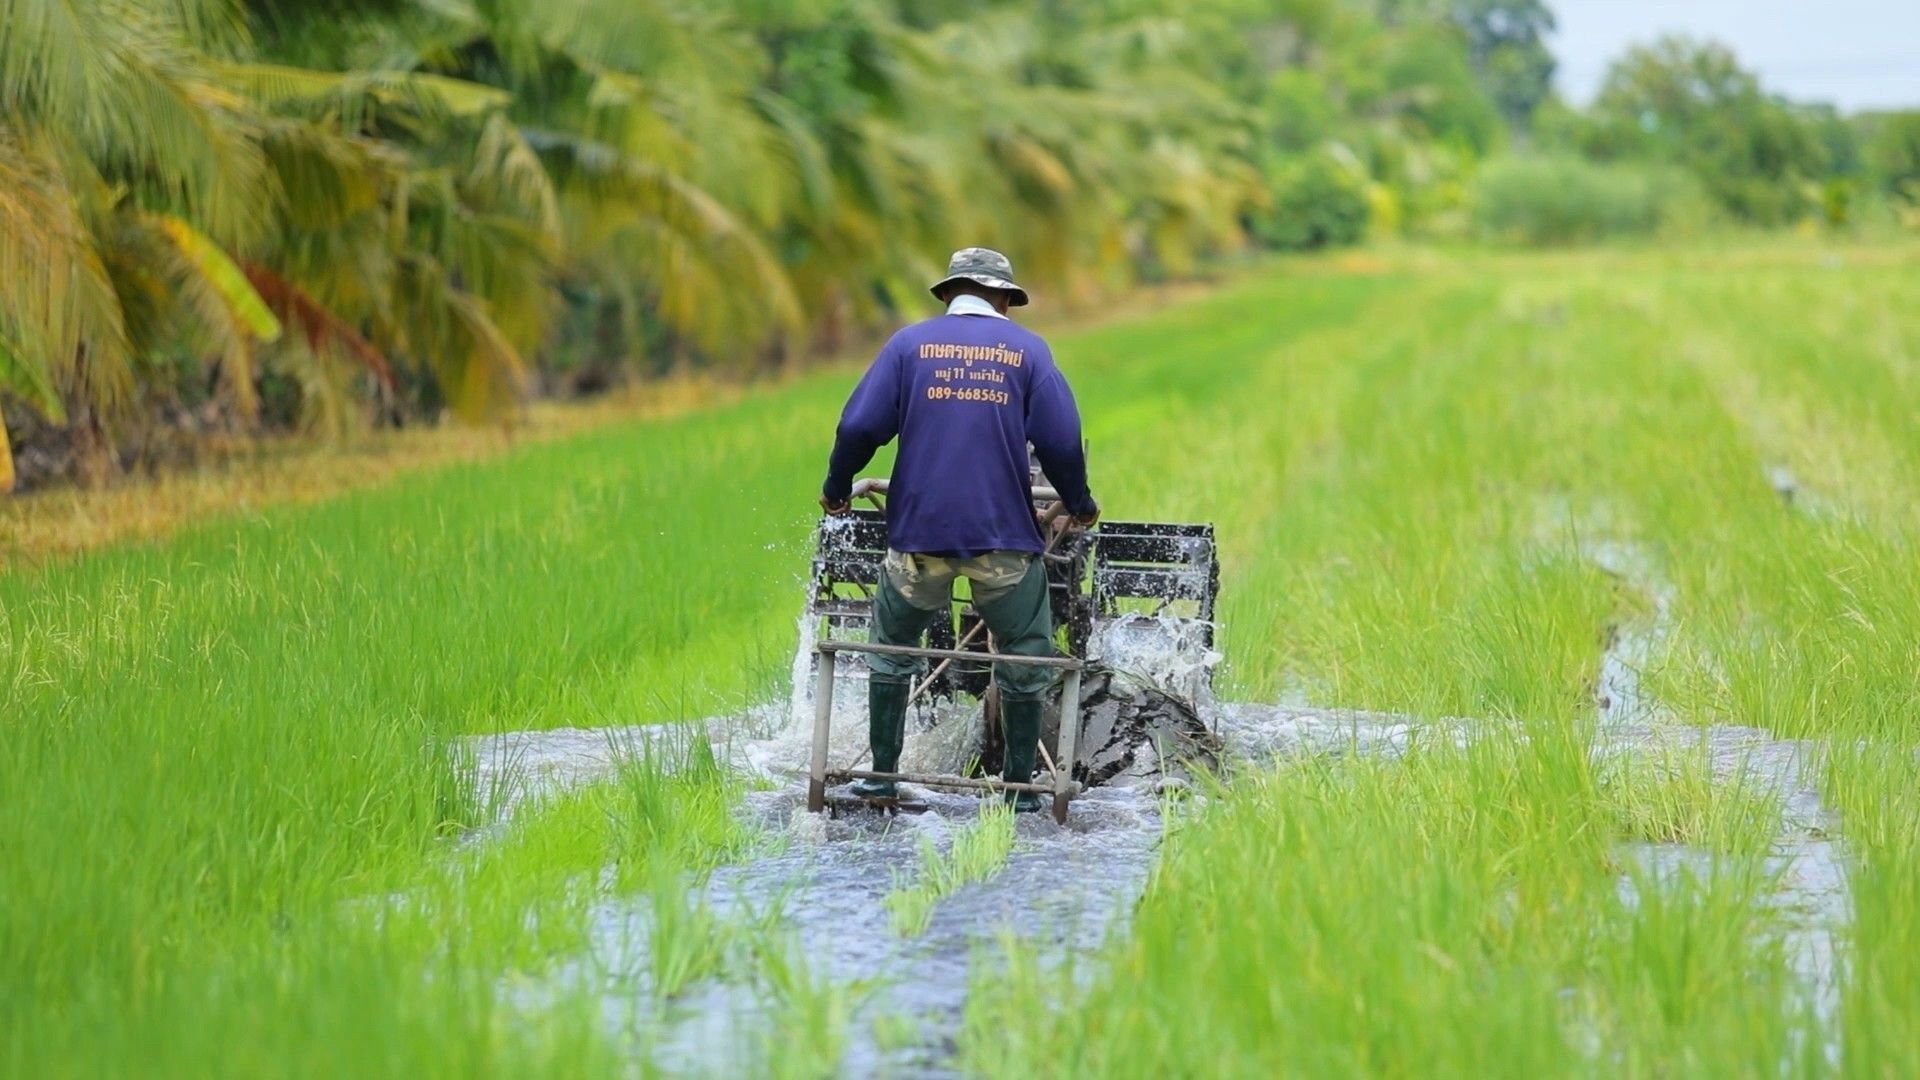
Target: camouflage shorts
926,581
1009,591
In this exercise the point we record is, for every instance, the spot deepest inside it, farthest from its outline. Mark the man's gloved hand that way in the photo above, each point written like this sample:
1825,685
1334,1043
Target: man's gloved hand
835,508
1089,518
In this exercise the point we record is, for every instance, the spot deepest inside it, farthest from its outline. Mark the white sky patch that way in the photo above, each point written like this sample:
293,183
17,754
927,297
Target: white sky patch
1857,54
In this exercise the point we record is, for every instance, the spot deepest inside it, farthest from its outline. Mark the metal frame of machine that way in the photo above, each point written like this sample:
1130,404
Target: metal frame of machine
1092,576
1061,785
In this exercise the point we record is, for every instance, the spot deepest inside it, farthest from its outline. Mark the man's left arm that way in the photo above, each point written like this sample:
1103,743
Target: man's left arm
870,420
1053,427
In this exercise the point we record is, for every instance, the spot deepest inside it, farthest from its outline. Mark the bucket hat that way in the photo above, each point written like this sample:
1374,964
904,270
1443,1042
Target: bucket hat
986,267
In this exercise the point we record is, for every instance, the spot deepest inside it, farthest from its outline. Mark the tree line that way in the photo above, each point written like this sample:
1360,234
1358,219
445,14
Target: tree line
229,215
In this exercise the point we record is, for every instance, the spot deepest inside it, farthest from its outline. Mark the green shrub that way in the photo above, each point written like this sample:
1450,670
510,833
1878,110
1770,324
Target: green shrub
1315,202
1565,200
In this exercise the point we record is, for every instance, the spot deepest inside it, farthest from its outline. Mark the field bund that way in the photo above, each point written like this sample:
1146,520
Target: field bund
1573,657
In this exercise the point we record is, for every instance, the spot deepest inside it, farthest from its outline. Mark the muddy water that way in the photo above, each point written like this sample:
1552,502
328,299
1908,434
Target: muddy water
514,766
1808,861
1811,893
1632,647
1063,888
1063,891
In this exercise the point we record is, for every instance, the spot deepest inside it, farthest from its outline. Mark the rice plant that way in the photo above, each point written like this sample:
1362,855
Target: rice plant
978,851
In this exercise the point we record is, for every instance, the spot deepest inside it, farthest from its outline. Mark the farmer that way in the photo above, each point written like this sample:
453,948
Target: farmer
965,392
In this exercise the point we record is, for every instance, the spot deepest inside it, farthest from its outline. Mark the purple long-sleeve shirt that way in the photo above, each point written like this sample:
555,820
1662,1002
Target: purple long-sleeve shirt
965,394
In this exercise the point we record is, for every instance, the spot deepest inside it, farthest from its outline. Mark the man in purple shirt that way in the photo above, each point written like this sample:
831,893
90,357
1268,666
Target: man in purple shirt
965,393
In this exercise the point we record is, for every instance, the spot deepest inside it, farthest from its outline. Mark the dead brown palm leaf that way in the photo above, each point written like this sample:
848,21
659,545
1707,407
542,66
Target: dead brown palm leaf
323,331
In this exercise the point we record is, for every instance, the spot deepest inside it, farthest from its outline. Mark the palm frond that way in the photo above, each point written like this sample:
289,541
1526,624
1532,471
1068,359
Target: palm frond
218,26
487,245
224,280
327,393
6,457
689,247
325,178
800,150
279,84
125,83
322,330
509,169
57,302
493,376
29,382
225,303
478,368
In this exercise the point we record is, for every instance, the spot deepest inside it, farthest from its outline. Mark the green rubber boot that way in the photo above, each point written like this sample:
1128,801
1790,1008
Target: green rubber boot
886,734
1020,719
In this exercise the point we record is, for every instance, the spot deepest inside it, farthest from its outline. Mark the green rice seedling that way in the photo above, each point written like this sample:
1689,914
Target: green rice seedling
519,901
258,721
689,942
672,799
1690,977
1670,795
1400,568
365,998
1876,786
1443,914
663,816
894,1031
979,850
243,477
807,1015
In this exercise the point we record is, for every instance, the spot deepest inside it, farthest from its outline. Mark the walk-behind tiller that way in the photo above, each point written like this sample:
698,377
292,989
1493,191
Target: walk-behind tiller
1096,577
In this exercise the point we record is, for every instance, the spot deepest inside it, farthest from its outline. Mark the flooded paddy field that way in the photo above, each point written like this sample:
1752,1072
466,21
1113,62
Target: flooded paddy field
821,884
1567,688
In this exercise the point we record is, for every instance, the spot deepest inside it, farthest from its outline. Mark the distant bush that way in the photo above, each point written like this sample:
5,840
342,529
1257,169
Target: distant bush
1316,201
1565,200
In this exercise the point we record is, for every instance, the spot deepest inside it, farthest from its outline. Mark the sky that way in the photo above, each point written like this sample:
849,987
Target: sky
1857,54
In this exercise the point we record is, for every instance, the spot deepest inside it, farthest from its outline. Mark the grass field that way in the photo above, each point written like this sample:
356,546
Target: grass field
234,787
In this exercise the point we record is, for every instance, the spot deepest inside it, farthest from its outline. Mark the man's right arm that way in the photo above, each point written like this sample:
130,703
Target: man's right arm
870,420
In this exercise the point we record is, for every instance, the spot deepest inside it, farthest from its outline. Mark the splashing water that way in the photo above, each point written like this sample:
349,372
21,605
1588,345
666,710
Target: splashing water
1165,651
941,732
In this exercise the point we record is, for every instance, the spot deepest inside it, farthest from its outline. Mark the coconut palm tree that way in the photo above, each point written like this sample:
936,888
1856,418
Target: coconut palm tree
666,171
160,190
128,174
417,229
400,200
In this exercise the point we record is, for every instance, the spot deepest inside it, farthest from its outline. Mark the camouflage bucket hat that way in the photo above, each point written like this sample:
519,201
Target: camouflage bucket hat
986,267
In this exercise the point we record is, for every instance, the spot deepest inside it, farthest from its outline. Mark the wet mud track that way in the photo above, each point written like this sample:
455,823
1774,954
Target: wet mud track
1064,890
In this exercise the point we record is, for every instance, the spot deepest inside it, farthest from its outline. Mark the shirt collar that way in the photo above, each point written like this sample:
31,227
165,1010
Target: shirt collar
969,304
